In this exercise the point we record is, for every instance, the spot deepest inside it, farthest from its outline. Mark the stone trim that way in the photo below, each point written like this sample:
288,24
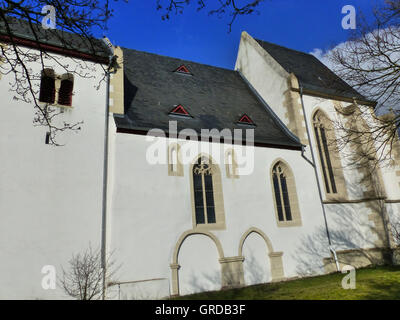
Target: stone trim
293,198
117,84
2,59
277,273
355,201
250,231
294,110
334,157
231,259
276,263
175,265
392,201
218,198
231,167
357,258
232,272
178,170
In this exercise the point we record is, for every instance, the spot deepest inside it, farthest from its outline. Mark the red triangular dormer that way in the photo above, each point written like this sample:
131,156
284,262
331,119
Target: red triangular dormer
246,119
180,110
183,69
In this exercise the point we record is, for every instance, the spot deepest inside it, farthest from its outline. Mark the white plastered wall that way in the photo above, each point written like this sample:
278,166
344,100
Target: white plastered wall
151,210
50,197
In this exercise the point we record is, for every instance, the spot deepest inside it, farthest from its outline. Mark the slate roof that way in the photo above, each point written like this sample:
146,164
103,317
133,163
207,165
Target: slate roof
58,38
311,73
214,97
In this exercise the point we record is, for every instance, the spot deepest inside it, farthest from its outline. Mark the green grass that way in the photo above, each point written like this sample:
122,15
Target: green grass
371,283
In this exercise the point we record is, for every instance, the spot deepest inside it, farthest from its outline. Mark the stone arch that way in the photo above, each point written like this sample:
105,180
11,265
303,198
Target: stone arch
261,233
190,233
277,272
175,265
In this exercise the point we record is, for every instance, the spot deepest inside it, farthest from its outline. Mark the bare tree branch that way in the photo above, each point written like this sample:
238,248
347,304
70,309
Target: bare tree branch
370,62
229,7
84,276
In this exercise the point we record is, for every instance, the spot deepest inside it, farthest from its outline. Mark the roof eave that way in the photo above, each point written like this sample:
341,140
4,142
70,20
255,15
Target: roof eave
25,42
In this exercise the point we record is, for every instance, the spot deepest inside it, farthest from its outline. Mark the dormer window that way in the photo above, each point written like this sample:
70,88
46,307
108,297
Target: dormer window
183,69
179,110
245,119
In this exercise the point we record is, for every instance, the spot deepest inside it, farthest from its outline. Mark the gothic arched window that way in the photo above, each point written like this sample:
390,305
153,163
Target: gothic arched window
284,189
207,194
203,191
322,129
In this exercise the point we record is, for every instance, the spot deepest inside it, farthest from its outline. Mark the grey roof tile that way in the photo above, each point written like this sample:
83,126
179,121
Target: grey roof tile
216,98
58,38
311,73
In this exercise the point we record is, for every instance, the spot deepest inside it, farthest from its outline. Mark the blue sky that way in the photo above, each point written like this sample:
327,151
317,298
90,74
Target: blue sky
299,24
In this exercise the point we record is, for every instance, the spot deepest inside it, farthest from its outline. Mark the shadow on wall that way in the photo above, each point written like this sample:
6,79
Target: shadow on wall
256,268
140,290
200,282
357,234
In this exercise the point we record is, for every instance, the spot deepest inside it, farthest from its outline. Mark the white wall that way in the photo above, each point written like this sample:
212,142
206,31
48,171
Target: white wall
50,197
151,210
349,223
263,73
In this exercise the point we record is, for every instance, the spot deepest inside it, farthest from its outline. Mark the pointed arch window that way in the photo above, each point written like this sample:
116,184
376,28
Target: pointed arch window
285,195
203,191
208,208
321,128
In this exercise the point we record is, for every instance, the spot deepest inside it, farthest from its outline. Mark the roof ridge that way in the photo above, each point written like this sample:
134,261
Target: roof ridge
290,49
184,60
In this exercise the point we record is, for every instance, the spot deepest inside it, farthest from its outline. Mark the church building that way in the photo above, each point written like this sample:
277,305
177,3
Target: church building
192,177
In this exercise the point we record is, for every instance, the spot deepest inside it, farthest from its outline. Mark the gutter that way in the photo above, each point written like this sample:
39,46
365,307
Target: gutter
331,249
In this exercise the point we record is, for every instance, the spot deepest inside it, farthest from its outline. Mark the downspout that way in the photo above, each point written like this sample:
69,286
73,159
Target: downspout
317,178
105,172
105,181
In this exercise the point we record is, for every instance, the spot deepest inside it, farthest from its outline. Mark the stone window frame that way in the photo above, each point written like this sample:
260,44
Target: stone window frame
178,172
292,192
217,193
341,190
231,169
